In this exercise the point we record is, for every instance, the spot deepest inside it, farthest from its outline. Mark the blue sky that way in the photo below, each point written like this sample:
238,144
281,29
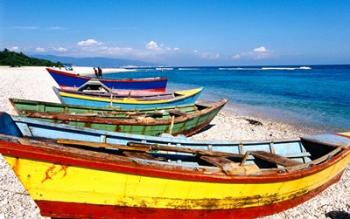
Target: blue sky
182,32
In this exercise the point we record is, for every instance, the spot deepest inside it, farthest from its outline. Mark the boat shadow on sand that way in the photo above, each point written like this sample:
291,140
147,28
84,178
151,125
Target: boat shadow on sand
206,128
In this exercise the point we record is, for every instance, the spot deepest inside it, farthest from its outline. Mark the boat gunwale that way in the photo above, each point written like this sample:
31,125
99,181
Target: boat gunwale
109,108
138,80
125,121
109,134
36,152
132,100
114,93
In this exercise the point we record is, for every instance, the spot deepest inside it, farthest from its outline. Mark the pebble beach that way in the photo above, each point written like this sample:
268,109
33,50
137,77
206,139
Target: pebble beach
36,84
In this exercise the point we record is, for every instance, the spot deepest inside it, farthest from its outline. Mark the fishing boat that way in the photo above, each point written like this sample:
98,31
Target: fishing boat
94,86
81,179
132,102
30,127
186,120
51,107
69,79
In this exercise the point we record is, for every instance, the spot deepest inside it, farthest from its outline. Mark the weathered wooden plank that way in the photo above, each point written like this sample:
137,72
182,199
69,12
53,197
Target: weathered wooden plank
216,161
231,168
226,165
141,155
176,112
245,157
185,150
101,145
274,158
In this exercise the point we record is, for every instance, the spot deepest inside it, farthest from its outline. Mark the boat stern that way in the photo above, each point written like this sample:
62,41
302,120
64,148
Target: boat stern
8,126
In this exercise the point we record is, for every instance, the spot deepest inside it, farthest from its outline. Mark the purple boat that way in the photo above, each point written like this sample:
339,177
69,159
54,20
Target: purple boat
68,80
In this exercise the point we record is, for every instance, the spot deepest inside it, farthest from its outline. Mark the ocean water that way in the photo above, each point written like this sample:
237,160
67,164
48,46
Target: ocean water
312,96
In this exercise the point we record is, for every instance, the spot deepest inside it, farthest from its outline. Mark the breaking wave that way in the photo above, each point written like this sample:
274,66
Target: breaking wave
164,69
188,69
266,68
287,68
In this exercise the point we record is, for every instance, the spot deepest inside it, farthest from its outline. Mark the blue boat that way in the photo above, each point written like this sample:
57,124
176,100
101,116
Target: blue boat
27,127
134,102
68,79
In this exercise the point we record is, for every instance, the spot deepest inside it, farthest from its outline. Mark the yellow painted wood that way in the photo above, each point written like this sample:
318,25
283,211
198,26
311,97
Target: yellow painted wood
47,181
347,134
185,93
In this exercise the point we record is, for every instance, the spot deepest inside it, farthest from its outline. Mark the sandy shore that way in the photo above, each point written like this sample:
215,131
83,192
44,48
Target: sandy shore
35,83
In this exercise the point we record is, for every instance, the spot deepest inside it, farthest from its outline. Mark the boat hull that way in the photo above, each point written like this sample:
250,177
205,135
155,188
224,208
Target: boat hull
50,107
187,97
83,210
22,126
186,124
67,185
66,79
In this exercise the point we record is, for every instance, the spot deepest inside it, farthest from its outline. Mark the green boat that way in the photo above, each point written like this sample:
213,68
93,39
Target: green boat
186,119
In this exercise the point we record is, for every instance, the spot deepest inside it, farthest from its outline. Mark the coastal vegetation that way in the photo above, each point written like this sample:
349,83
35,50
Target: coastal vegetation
15,59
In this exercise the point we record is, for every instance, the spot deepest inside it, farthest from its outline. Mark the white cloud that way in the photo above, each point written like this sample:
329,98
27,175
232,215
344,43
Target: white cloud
40,49
152,45
260,49
206,55
89,42
160,48
112,50
237,56
14,48
260,52
152,50
56,28
105,50
60,49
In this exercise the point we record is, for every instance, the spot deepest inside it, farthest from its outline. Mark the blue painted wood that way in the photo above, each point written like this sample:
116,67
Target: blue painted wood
35,128
94,103
294,149
8,126
329,139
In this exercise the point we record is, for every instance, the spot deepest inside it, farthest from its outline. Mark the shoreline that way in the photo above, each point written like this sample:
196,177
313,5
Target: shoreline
234,126
230,124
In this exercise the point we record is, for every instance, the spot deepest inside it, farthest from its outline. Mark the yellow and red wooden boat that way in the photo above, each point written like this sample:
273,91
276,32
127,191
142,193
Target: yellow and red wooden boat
70,178
181,97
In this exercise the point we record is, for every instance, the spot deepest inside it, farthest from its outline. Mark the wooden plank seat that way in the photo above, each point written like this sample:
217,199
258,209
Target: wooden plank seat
229,167
141,155
275,159
176,113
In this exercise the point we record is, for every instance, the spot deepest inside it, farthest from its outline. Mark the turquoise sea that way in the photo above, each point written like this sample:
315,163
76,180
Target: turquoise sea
312,96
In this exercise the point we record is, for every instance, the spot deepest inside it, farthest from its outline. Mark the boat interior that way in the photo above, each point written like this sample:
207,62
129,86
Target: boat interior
100,90
37,109
256,160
